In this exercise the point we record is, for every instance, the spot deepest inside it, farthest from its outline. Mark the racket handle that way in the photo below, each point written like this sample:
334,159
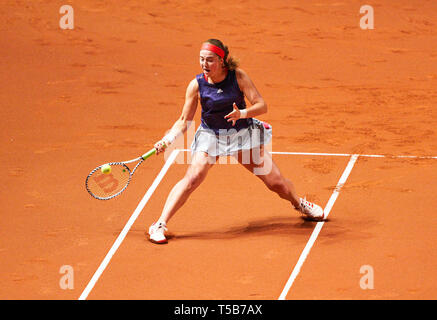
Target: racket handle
149,153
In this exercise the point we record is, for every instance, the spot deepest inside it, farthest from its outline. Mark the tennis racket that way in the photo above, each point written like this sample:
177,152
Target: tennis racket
105,186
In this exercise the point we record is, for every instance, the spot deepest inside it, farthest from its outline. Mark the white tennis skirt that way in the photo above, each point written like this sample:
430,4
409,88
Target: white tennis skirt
229,142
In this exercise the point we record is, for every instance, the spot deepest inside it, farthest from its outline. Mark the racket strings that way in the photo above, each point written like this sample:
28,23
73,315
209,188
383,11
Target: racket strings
108,185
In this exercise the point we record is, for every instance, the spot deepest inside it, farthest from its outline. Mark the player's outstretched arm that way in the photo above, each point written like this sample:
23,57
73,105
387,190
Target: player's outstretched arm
187,115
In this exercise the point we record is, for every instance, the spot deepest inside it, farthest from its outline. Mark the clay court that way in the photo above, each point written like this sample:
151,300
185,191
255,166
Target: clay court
354,117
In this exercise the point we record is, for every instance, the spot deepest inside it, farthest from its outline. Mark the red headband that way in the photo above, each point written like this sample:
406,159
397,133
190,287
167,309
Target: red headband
213,48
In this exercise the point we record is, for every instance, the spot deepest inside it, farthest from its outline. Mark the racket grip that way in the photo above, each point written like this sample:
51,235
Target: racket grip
149,153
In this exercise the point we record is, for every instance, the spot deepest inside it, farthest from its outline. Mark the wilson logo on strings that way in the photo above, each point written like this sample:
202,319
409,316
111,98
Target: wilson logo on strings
106,181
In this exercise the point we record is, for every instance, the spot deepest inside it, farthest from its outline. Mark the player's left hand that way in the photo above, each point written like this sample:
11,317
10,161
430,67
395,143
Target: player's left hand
234,115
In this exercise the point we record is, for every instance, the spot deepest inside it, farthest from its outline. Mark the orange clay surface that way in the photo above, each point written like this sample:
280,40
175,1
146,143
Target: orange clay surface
108,89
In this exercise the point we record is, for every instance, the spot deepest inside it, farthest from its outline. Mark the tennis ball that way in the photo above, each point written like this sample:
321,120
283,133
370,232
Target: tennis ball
106,169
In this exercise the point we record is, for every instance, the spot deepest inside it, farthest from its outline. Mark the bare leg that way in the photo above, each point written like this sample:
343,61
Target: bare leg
194,176
272,178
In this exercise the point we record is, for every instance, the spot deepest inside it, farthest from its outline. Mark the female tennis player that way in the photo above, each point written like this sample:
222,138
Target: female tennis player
227,127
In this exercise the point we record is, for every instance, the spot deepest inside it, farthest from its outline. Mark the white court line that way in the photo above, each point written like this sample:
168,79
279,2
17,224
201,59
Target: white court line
343,154
128,225
350,154
318,227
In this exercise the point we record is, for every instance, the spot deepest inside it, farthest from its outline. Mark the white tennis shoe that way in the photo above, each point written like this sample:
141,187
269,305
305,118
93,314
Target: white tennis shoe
311,210
157,233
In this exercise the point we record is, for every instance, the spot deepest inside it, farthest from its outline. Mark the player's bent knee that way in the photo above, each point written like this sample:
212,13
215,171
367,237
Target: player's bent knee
196,174
192,181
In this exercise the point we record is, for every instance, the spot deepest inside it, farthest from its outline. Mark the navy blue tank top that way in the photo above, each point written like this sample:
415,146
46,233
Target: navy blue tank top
217,100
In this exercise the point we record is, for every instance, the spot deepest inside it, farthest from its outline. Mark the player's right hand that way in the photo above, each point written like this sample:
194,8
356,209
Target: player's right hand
160,146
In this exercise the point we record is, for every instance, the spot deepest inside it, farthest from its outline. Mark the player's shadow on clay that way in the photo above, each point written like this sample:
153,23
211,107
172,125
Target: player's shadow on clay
273,226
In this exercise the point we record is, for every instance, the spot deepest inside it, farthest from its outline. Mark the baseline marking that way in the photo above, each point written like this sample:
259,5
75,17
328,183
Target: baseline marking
318,227
128,225
343,154
350,154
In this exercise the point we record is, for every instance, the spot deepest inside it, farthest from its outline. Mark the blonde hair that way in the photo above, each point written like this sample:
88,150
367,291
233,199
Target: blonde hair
230,62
